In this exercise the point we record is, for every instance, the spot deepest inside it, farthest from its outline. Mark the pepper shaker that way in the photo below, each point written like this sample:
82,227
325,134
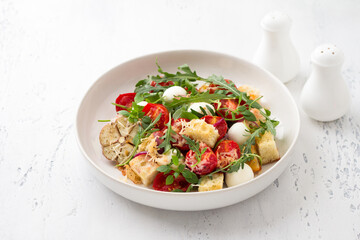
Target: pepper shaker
276,52
325,96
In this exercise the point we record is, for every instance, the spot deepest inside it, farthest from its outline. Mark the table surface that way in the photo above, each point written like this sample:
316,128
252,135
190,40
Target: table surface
52,51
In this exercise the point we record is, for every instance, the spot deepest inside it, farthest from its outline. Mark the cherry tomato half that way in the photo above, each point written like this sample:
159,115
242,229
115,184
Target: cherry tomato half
226,107
164,84
226,152
179,183
219,123
125,99
153,110
157,135
207,162
180,142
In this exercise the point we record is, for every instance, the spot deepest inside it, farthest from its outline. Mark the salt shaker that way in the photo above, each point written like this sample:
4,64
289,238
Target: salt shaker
276,52
325,96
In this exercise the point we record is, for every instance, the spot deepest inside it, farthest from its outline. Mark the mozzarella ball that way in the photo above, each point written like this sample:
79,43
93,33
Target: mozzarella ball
196,107
142,103
238,133
171,92
241,176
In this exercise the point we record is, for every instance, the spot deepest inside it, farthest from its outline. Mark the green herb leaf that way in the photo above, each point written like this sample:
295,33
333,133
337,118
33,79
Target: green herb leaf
164,168
104,120
167,137
219,80
190,176
181,167
201,97
169,180
177,190
175,160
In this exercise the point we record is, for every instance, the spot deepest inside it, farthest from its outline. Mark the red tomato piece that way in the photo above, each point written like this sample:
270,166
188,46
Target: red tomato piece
226,152
207,162
164,84
219,123
180,143
226,107
125,99
179,183
159,140
153,110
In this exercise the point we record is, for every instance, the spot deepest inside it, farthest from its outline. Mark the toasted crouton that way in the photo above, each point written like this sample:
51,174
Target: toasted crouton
111,151
132,175
118,152
109,134
210,184
132,134
253,93
266,147
144,168
123,125
199,130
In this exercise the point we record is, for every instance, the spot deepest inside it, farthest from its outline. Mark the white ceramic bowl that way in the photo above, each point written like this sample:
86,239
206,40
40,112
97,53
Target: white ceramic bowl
96,104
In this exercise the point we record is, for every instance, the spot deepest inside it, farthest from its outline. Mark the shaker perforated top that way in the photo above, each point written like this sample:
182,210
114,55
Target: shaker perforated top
327,55
276,21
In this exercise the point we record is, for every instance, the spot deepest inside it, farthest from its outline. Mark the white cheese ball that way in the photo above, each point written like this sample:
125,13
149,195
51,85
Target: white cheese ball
142,103
238,133
171,92
241,176
196,107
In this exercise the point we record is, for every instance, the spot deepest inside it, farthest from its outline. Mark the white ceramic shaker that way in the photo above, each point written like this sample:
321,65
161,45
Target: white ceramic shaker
325,96
276,52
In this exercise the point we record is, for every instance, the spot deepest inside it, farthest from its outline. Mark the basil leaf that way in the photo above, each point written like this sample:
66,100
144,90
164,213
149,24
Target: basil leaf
164,168
175,160
169,180
190,176
181,167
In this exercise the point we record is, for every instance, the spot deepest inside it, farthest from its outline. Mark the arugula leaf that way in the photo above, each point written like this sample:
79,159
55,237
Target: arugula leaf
201,97
219,80
167,137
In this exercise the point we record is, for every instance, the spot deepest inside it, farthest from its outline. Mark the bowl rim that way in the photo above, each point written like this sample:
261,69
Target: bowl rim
148,190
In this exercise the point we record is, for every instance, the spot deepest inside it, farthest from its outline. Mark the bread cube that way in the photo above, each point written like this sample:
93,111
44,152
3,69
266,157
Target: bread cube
111,151
253,93
145,168
210,184
266,147
123,125
199,130
133,132
109,134
132,175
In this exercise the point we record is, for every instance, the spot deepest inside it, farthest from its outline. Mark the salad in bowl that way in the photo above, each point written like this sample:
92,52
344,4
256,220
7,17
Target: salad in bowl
180,132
